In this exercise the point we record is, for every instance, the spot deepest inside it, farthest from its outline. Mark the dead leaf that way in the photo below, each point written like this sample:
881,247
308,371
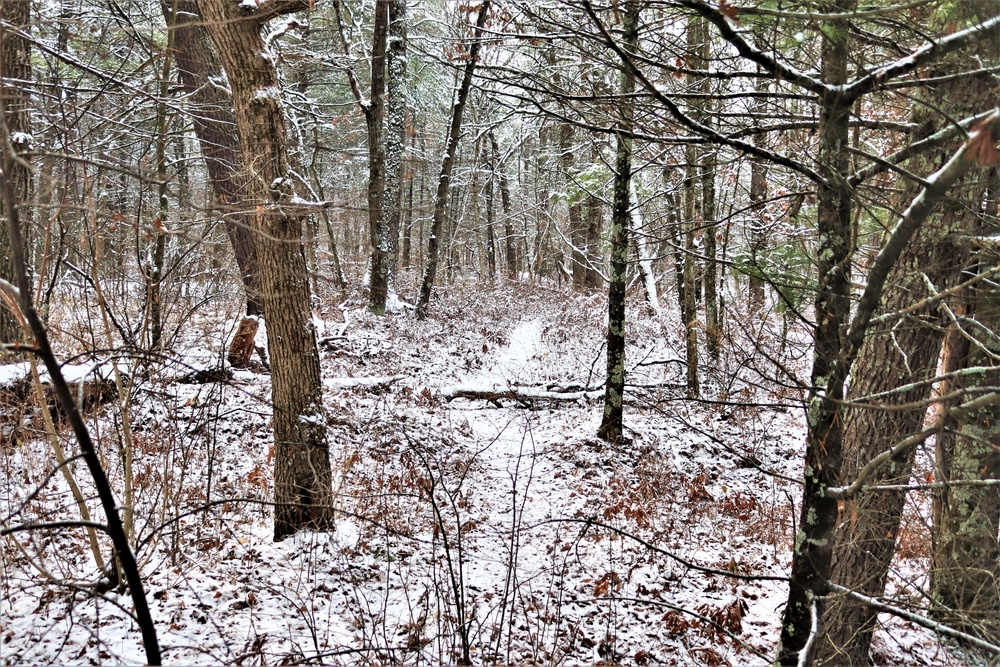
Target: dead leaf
981,147
729,11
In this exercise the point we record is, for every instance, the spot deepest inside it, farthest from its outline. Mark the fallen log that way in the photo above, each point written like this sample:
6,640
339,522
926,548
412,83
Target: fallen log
374,384
525,396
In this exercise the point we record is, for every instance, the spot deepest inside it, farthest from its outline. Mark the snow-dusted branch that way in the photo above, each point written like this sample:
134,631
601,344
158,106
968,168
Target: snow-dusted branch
687,121
937,185
933,141
916,619
770,65
845,492
936,298
265,10
989,29
822,16
804,654
352,77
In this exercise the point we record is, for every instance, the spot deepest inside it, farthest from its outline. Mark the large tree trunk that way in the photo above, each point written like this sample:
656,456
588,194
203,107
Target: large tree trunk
215,126
15,70
302,478
893,354
611,428
448,162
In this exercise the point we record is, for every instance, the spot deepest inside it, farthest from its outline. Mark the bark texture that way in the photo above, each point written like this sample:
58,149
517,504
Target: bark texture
895,354
302,478
813,549
965,575
15,87
611,428
214,124
386,238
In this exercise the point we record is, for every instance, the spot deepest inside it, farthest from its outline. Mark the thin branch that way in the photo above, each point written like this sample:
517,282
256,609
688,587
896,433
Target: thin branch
700,128
988,29
53,525
910,220
845,492
770,65
916,619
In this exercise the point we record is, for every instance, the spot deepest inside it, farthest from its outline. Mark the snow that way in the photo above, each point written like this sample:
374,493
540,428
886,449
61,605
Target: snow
22,139
268,93
509,524
12,373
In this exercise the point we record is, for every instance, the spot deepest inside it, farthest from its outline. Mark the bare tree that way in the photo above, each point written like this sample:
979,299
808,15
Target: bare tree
611,428
448,161
302,477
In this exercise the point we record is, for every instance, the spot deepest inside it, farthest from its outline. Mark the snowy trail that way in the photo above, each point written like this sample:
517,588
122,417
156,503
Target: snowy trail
513,442
513,363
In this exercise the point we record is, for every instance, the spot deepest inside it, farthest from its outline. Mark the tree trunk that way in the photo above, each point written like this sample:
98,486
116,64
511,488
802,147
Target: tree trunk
390,212
215,126
410,178
965,576
900,352
637,233
490,240
611,428
154,274
15,87
510,249
595,259
577,226
813,549
758,194
447,163
707,164
386,151
693,216
302,477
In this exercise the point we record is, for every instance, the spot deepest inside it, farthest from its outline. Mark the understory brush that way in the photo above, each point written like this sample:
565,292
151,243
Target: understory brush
466,531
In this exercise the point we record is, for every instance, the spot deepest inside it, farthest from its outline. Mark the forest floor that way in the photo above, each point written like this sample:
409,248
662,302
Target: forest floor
500,531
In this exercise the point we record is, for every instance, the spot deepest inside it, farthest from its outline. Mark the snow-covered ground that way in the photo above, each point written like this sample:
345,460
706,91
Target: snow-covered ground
499,531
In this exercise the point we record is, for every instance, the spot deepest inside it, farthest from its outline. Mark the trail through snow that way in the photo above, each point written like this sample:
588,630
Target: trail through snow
513,364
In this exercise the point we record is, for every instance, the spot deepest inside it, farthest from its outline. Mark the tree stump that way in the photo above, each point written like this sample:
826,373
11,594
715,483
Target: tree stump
242,346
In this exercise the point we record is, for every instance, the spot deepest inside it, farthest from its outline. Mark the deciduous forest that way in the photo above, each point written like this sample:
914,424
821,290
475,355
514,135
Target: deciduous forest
500,332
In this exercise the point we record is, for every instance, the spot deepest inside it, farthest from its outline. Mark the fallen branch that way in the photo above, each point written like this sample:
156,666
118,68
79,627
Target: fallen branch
526,396
379,383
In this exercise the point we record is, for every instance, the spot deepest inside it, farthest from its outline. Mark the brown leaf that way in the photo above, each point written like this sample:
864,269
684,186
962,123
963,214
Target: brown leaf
981,147
729,11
